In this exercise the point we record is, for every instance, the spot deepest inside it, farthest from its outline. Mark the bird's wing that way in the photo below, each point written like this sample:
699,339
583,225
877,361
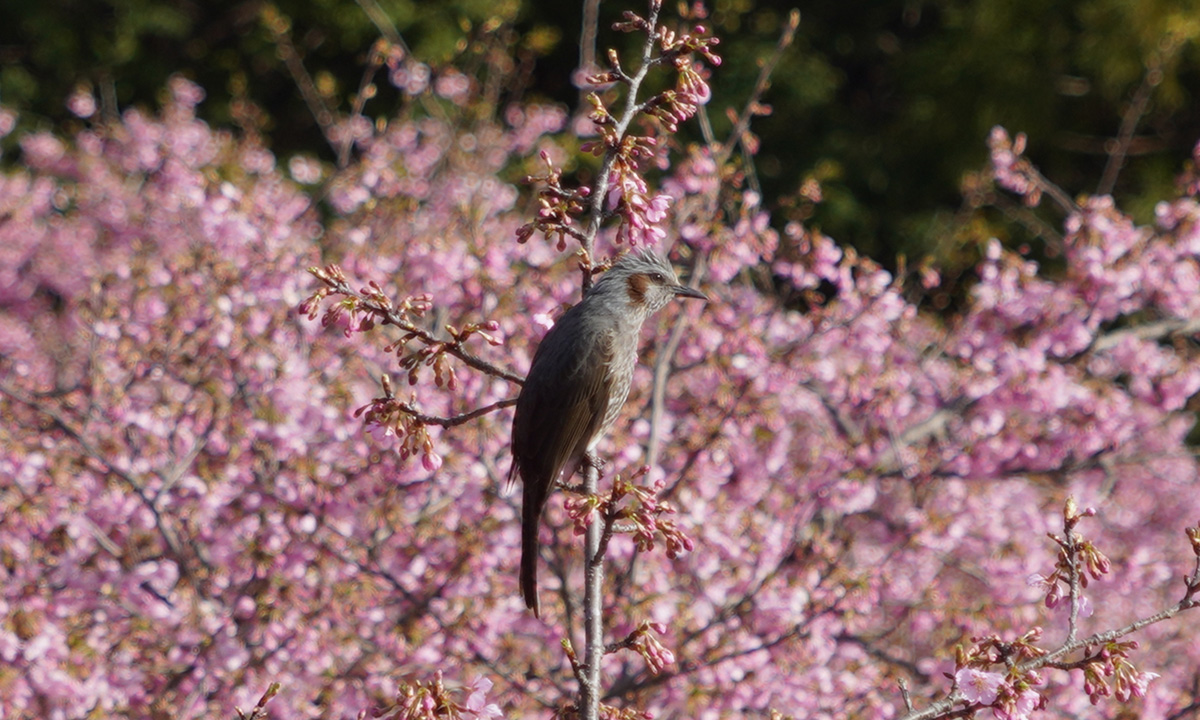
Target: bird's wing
564,401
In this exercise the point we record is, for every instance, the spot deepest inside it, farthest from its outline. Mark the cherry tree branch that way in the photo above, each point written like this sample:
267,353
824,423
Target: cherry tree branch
280,28
753,105
169,536
1119,148
599,193
1103,655
454,420
382,311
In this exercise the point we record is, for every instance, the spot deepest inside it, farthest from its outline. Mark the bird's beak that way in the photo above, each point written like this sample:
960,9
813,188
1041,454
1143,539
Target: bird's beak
685,291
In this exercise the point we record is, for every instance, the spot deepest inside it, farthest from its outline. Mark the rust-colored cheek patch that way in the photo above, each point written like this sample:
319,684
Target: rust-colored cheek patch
637,288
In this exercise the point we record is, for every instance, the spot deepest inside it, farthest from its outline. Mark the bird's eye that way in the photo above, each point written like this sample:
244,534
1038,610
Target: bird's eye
657,277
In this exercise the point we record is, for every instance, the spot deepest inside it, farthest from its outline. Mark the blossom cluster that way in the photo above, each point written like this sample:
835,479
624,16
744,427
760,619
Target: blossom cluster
624,191
436,701
191,511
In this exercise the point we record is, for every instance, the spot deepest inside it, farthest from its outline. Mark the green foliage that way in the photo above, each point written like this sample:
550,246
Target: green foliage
126,49
917,86
887,104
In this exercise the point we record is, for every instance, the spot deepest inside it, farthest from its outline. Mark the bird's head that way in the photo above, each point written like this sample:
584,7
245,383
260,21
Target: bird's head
646,281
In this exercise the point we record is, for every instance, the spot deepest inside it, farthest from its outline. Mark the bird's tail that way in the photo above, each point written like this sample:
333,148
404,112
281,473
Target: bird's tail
533,498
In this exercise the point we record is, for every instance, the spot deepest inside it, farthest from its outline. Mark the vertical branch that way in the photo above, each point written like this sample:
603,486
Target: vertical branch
1071,550
742,125
587,35
379,18
365,90
600,192
593,593
593,596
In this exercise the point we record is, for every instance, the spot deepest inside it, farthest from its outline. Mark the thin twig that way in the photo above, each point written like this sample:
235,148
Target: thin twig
663,364
168,534
453,420
388,315
908,706
742,125
1189,601
596,212
278,26
587,35
944,708
1071,548
1028,219
374,62
379,18
1137,108
1149,331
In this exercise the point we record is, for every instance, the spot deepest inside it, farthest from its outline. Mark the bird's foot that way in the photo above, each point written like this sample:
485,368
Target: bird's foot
576,489
589,461
592,460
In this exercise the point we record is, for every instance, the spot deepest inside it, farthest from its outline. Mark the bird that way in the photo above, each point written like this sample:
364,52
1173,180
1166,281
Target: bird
577,383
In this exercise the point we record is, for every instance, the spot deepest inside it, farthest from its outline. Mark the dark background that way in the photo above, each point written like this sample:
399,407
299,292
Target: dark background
887,103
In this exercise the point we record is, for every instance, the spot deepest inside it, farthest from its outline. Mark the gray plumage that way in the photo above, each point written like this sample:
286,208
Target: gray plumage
577,383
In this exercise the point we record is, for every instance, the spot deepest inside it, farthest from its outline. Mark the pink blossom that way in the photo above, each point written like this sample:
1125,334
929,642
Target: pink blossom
1019,707
452,85
477,705
82,103
1141,681
42,149
381,433
304,169
978,686
411,77
186,93
8,121
431,461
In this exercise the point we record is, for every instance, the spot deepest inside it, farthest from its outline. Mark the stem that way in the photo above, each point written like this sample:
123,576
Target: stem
1119,148
280,27
593,596
388,315
945,707
1072,551
742,125
593,592
600,192
454,420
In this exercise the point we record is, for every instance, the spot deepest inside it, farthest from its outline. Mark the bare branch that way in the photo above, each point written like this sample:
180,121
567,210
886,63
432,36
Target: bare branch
1119,148
945,707
279,27
621,127
454,420
752,106
1149,331
387,314
587,35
